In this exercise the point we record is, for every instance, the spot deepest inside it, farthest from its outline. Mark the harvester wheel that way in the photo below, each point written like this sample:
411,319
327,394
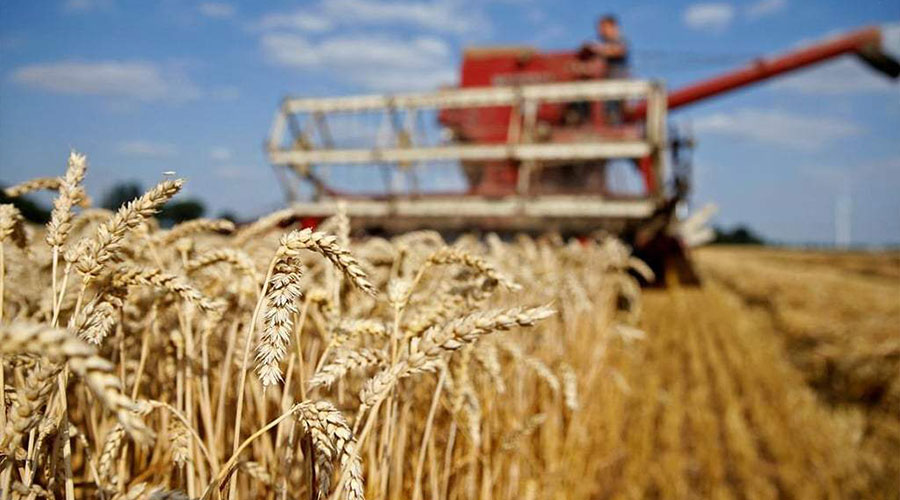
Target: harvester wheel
669,260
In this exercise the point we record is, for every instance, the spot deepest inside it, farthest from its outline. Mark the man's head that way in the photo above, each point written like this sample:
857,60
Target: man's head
608,27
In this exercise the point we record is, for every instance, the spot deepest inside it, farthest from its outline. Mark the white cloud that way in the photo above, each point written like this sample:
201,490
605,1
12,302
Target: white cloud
147,149
709,16
844,76
315,38
378,62
443,17
449,17
890,39
778,127
125,79
764,8
217,10
289,50
220,154
299,20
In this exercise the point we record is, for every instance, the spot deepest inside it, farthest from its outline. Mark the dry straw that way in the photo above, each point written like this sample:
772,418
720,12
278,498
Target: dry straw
57,344
390,368
425,353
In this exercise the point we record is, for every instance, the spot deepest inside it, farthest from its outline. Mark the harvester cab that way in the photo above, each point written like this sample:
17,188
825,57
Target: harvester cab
535,136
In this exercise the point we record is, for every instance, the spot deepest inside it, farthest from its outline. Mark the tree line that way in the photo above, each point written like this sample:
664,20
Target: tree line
171,213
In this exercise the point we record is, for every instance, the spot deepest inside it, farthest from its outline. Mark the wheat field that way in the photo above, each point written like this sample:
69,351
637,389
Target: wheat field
268,361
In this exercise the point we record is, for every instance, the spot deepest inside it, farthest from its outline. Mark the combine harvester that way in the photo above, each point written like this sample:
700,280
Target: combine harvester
534,136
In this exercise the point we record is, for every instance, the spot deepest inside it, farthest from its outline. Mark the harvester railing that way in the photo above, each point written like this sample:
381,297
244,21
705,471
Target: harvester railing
302,140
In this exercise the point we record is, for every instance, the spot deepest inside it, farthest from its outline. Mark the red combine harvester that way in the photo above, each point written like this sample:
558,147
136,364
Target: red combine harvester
534,136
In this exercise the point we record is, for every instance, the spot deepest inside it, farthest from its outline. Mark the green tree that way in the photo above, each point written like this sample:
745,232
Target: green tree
180,211
171,213
31,210
739,235
120,194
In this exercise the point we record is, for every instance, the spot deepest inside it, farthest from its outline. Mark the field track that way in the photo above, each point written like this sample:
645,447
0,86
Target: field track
732,416
793,358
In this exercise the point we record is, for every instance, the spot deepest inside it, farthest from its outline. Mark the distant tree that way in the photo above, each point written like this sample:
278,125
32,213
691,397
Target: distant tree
739,235
171,213
121,194
180,211
31,210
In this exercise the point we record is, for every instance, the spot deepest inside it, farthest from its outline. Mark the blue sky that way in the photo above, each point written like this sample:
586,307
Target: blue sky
144,87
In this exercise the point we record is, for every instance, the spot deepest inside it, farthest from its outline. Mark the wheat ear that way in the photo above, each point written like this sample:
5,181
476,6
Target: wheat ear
32,185
425,352
57,344
344,361
99,316
331,435
70,194
110,452
240,260
326,245
126,275
281,299
446,256
106,244
262,225
192,227
26,413
12,226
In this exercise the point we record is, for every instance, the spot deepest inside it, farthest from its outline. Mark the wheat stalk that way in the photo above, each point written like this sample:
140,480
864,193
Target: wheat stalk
23,337
425,352
129,275
240,260
570,386
344,361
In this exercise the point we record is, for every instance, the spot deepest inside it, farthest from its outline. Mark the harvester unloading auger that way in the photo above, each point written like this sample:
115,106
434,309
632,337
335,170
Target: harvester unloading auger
534,133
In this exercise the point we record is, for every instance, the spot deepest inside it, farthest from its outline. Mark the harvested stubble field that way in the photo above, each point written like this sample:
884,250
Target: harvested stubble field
836,317
207,361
